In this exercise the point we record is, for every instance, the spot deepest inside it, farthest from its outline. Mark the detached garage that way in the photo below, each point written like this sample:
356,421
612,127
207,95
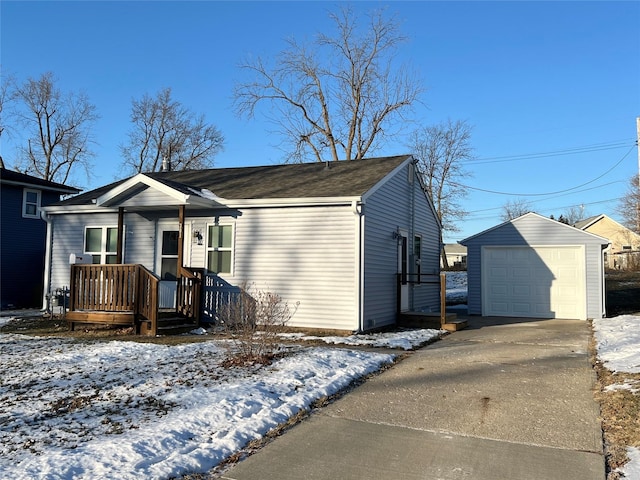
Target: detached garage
536,267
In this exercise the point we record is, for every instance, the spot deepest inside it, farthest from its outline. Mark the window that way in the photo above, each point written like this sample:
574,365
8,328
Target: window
101,243
219,248
626,247
417,255
31,203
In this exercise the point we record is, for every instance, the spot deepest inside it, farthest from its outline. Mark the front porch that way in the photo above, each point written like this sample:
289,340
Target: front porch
128,295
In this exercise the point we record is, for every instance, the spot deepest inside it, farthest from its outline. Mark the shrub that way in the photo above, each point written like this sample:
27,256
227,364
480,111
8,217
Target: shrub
253,318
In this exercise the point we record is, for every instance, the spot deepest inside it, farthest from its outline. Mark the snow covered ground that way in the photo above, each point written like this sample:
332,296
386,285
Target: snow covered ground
90,409
456,287
618,345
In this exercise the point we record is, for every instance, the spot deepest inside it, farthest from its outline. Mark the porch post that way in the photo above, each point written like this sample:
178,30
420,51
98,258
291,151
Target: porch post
120,243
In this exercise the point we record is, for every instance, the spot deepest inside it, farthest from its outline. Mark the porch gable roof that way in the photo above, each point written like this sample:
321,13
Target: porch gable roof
175,193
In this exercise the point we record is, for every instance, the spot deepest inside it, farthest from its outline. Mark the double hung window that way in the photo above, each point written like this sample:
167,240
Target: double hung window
219,248
31,203
101,243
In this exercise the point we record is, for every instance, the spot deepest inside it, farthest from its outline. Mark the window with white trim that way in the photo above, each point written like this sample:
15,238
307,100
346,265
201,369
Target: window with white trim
31,203
102,244
417,255
219,248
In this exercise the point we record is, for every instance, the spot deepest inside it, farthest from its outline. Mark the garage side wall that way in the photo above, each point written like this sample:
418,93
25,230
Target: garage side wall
534,230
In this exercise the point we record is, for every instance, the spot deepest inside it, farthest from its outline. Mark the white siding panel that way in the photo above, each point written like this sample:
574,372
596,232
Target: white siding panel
149,197
306,255
68,238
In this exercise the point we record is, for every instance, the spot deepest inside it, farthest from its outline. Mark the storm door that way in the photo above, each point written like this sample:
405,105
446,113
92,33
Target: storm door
167,265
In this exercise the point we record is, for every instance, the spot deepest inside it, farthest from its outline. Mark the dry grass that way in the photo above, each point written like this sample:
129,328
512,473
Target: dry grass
619,409
620,416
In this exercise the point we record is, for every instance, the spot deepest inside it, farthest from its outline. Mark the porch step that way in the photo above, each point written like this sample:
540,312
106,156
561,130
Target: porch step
431,320
174,325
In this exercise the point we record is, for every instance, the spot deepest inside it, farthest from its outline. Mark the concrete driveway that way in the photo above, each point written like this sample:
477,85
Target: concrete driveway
503,399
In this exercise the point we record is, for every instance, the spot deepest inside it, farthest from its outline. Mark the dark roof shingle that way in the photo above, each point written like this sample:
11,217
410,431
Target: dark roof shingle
301,180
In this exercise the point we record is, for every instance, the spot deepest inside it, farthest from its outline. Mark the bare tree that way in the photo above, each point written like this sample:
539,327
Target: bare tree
57,128
514,209
341,96
629,206
574,214
441,151
4,96
164,129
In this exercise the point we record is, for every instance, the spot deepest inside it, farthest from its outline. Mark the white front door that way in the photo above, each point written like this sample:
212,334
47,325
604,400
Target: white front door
167,264
403,270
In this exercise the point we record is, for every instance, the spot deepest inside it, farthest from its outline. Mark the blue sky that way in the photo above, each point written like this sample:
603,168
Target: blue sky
551,88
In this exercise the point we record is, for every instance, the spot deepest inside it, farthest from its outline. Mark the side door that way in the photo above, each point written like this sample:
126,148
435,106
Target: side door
403,269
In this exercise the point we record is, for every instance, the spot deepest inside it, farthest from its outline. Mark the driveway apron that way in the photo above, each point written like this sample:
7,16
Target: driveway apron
504,399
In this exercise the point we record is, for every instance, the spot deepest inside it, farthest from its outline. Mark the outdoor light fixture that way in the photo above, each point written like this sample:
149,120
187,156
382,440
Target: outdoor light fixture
197,237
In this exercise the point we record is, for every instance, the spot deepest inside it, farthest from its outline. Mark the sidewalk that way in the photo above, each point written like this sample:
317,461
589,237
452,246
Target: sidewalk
504,399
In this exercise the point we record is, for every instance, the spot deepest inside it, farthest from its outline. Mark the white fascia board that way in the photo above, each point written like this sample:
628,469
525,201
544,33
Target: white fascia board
60,209
136,180
292,202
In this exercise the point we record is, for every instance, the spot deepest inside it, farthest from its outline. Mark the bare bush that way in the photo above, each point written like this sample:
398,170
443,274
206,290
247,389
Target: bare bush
254,318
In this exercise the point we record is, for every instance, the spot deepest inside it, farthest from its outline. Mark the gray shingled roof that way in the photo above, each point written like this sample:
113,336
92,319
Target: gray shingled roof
301,180
584,223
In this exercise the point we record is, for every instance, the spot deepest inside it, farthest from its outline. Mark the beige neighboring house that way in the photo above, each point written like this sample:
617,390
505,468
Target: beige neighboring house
456,256
625,244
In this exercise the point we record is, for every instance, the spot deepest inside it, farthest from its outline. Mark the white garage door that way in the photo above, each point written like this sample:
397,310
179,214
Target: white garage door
538,282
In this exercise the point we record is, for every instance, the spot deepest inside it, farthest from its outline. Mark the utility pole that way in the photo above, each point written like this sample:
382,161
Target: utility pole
638,193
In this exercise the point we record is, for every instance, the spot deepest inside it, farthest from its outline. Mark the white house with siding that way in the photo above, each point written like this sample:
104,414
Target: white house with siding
536,267
332,237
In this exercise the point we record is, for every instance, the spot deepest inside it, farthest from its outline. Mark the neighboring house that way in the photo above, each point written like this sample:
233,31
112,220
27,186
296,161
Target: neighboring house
624,243
336,237
536,267
22,236
456,256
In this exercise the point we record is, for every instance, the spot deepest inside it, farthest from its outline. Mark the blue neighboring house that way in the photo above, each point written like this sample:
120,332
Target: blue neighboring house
23,236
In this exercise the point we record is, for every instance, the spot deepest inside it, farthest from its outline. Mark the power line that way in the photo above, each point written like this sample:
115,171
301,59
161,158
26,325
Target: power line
569,151
488,217
547,193
557,196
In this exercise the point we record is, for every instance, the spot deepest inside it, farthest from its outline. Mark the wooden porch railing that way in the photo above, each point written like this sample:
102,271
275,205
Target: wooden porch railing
109,288
189,293
119,294
147,300
127,294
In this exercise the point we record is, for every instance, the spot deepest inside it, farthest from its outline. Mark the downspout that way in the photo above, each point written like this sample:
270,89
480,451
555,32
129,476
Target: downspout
359,273
47,259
